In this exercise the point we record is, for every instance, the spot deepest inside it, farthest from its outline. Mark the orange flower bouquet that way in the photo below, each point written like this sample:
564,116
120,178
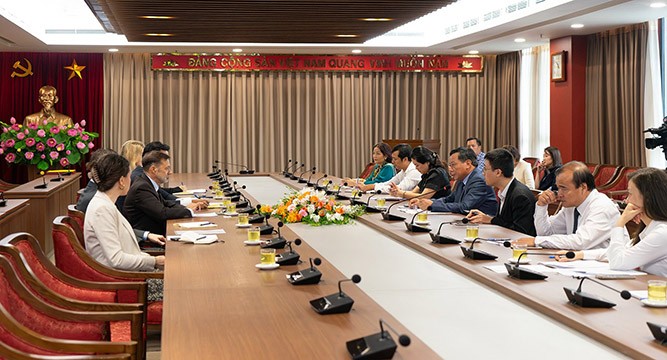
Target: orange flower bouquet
312,207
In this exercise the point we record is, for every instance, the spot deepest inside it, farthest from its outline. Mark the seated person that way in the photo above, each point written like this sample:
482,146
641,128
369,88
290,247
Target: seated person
108,235
131,150
382,171
546,171
517,202
470,191
587,216
522,169
647,250
145,208
407,177
164,148
475,144
434,179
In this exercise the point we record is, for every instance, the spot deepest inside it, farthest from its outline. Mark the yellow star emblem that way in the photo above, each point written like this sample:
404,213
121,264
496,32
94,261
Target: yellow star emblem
76,70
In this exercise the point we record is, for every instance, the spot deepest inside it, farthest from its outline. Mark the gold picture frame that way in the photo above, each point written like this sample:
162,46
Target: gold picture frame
558,66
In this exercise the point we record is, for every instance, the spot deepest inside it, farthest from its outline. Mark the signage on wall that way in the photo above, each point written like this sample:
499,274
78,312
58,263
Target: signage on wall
281,62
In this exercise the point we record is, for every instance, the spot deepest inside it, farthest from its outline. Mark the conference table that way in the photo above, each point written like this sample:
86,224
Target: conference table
451,307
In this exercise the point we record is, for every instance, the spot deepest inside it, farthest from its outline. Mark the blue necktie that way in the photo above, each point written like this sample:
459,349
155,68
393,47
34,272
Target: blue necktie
576,221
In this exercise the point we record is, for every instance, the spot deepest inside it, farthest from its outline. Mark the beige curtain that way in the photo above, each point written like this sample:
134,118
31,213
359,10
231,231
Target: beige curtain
615,70
324,119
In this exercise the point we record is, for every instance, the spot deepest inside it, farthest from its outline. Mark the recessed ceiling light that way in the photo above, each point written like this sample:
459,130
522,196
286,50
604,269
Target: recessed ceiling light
158,34
519,40
376,19
577,26
473,52
346,36
658,4
237,50
113,50
356,51
157,17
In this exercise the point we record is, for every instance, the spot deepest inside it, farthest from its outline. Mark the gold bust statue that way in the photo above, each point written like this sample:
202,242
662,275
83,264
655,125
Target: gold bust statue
48,98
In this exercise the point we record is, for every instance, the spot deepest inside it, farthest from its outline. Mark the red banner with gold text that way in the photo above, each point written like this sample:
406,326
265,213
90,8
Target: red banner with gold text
231,62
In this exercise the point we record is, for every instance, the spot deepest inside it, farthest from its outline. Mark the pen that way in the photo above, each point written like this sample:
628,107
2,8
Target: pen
206,223
200,238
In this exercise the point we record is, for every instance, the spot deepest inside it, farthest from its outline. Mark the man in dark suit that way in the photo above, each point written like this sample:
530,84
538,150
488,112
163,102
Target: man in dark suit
470,191
145,208
517,202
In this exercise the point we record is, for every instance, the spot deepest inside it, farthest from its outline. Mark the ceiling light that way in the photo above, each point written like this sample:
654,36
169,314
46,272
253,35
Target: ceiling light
376,19
577,26
473,52
356,51
658,5
346,36
113,50
157,17
237,50
519,40
158,34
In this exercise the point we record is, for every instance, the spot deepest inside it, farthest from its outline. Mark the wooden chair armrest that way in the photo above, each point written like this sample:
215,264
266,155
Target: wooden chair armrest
616,192
11,353
115,272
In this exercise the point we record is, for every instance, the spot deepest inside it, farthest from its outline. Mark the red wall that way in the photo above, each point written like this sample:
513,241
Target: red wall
568,100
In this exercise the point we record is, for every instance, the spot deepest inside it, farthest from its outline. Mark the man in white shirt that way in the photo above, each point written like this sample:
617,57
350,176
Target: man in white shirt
587,217
407,177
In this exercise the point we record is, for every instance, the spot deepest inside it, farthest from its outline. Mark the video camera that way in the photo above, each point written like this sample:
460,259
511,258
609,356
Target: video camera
659,135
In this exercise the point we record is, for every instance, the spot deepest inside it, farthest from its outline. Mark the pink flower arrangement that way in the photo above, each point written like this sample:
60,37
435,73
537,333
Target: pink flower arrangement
45,144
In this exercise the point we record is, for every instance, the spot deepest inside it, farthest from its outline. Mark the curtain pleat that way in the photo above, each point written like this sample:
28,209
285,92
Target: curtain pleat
325,119
615,70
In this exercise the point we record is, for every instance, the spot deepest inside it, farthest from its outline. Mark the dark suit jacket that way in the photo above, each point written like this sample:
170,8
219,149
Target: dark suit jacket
473,195
518,210
166,193
146,209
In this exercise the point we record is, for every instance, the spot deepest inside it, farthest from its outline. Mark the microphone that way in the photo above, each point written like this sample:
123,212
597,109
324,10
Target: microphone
215,170
43,185
580,298
308,276
291,257
257,217
336,303
278,242
659,332
356,193
521,273
475,254
245,206
302,180
411,226
59,178
442,239
338,195
317,186
289,163
3,201
293,176
266,229
308,183
372,209
390,217
289,168
245,170
376,346
234,194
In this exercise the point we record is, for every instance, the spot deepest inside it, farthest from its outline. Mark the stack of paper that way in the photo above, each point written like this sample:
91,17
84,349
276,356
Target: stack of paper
587,267
194,238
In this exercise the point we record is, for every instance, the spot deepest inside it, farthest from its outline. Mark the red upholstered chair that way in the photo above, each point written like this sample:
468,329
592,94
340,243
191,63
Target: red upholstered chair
617,188
594,168
367,171
4,186
51,321
606,173
19,342
80,217
533,161
73,259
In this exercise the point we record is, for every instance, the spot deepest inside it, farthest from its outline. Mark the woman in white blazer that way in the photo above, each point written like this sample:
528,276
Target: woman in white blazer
109,237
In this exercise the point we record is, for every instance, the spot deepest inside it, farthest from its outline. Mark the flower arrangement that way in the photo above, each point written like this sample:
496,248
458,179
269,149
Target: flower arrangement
45,144
312,207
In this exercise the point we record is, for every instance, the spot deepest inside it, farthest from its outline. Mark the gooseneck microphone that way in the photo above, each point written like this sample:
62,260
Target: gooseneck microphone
580,298
245,170
43,185
390,217
442,239
3,201
338,195
57,179
310,177
289,163
278,242
474,254
308,276
257,217
372,209
301,179
245,206
266,228
376,346
336,303
522,273
411,226
291,169
317,183
294,177
290,257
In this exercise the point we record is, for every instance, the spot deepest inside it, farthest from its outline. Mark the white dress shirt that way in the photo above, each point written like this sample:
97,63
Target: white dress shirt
524,173
110,239
502,195
598,214
405,180
650,254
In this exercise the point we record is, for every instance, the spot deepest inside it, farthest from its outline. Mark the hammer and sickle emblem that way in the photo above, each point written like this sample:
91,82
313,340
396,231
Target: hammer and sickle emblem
26,70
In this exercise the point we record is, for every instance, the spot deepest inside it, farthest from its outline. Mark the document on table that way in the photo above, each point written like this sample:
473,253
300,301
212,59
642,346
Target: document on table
195,225
203,231
205,214
587,267
194,238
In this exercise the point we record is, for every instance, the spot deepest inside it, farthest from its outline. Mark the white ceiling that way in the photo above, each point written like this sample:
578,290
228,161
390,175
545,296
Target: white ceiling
538,29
